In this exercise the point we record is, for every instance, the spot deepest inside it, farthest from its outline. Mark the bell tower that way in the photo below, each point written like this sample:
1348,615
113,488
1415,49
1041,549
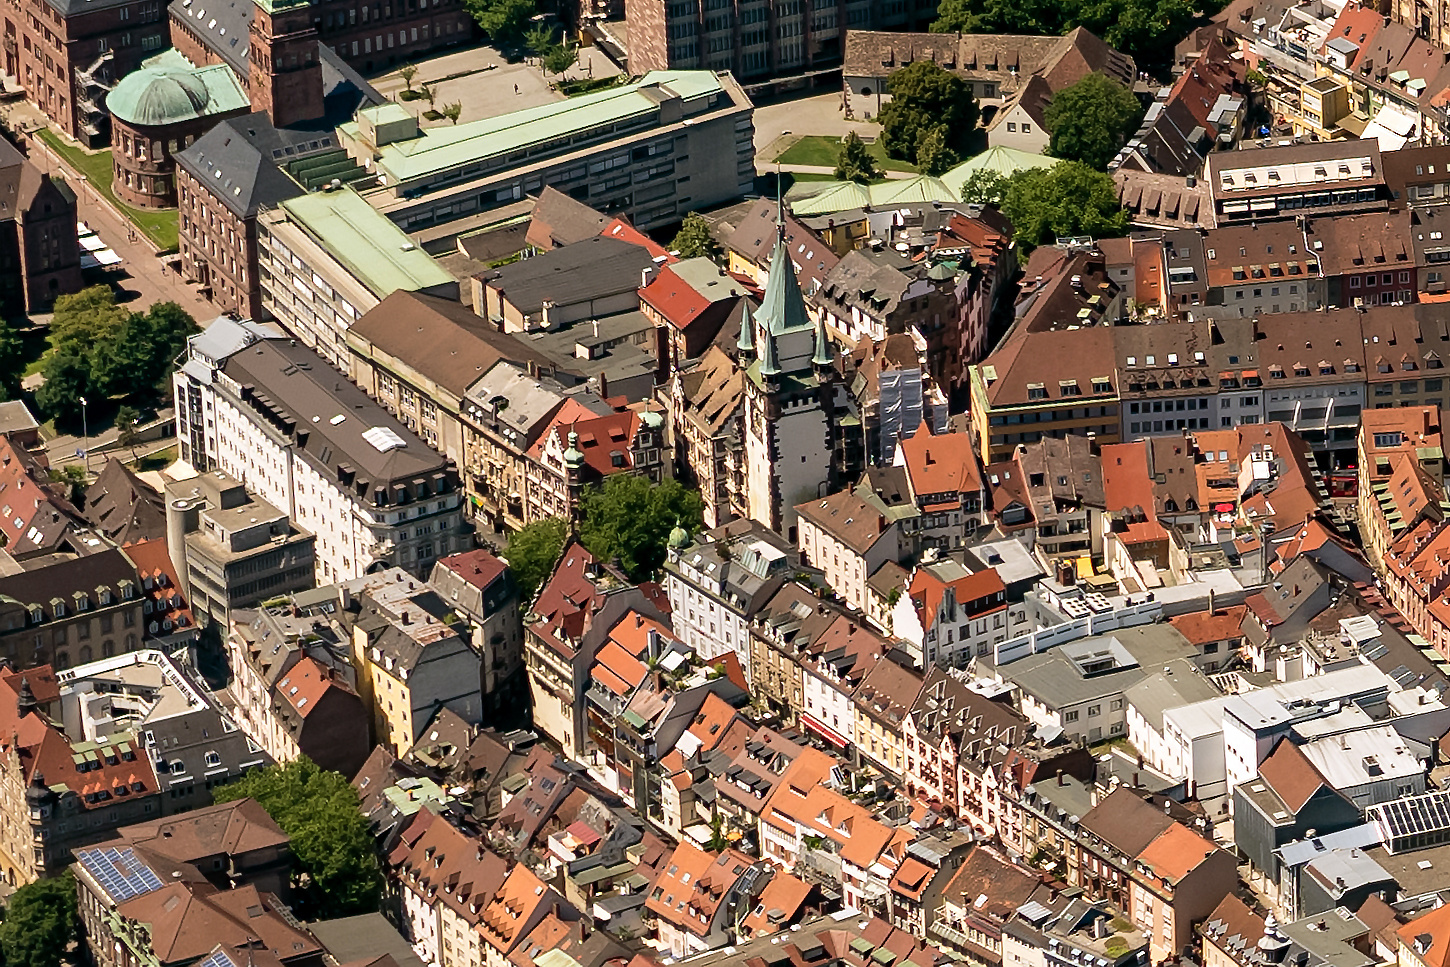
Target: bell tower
285,74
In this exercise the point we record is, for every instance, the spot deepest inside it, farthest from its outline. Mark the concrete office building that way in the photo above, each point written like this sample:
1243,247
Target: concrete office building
671,143
231,549
273,415
326,258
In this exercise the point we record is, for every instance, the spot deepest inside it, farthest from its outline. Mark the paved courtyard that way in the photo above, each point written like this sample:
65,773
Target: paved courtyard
486,84
778,121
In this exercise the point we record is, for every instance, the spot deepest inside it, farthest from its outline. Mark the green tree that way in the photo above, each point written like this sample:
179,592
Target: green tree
559,58
925,95
452,111
74,479
87,318
142,351
407,72
335,869
12,361
539,38
1146,29
934,154
533,552
1067,199
503,20
855,162
631,518
40,922
67,374
1091,120
128,421
984,187
694,239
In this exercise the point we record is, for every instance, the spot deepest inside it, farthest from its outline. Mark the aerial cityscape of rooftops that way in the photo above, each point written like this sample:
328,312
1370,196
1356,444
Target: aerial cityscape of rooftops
727,483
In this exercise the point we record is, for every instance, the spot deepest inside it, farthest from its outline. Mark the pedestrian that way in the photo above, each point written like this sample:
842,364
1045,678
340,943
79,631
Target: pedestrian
516,88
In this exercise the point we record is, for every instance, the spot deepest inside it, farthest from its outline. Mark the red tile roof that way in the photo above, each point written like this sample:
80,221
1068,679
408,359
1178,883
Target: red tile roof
479,568
939,464
1176,852
159,583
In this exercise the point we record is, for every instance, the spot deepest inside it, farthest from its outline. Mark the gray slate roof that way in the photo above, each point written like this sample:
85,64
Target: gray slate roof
234,160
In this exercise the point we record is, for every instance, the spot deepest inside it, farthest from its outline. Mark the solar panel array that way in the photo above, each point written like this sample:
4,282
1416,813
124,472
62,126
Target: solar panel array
217,958
1413,822
119,872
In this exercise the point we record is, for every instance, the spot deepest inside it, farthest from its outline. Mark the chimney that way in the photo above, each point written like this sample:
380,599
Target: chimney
406,618
646,276
1211,609
1059,777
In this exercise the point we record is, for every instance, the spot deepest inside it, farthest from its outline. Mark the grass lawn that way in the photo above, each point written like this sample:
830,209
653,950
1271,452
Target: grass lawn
159,226
34,344
822,151
156,461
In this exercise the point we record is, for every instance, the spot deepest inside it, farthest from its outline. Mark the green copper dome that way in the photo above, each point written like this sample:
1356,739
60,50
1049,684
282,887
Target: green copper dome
679,537
154,97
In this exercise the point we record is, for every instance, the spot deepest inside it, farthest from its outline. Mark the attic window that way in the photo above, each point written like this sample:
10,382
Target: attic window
1036,391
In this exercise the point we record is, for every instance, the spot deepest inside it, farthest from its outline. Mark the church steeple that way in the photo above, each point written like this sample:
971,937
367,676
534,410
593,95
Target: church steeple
784,307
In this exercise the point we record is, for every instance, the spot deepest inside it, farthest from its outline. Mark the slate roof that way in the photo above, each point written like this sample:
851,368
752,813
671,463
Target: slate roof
234,160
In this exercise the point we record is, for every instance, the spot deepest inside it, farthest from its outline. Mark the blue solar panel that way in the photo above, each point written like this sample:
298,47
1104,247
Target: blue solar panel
119,872
217,958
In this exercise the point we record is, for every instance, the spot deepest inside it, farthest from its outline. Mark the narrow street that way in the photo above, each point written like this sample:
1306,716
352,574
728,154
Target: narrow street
141,277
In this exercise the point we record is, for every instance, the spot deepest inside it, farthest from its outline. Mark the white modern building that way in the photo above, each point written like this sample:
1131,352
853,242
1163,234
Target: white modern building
1254,721
280,420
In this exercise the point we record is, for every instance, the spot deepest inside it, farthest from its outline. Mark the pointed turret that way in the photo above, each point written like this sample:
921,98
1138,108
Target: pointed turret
746,342
25,699
573,456
822,358
769,357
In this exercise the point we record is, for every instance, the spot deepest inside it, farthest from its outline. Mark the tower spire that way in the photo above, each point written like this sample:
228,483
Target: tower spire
746,342
821,359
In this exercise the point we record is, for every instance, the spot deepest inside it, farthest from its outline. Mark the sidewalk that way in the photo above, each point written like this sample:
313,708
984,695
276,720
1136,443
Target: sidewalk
141,275
62,447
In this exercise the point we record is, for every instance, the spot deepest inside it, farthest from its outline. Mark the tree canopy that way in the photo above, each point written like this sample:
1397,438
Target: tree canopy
1067,199
40,922
1145,29
694,239
631,518
335,862
104,350
505,21
533,552
855,162
559,58
926,97
933,154
1091,120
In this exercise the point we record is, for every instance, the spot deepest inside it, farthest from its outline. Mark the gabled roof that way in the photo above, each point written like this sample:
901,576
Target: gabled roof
1429,937
939,464
1126,822
1291,775
1175,853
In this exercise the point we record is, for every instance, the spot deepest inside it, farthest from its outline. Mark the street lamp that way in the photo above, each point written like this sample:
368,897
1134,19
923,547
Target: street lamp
85,436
